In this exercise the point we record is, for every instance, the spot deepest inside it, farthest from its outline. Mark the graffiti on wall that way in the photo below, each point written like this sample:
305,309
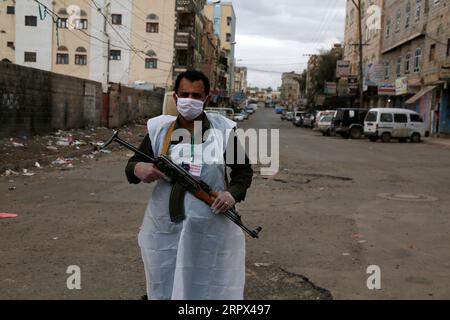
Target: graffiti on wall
10,101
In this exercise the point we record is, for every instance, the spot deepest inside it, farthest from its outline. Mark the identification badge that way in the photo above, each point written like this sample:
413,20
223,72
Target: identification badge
194,169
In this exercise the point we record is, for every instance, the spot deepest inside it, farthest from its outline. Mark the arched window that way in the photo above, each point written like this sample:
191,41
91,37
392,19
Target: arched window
150,53
152,16
6,60
63,12
417,59
62,48
81,50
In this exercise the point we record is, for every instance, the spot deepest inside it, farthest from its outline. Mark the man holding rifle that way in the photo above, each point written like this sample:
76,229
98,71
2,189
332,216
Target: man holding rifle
202,257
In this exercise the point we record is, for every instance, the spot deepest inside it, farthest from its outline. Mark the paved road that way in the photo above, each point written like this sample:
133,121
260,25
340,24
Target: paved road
323,216
332,228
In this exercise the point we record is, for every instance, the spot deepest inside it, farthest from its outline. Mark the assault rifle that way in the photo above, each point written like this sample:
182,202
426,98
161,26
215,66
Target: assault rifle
182,181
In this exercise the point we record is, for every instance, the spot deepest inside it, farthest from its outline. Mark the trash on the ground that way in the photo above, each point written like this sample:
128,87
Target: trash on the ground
105,151
16,144
55,238
11,173
345,254
362,241
52,148
62,161
28,173
79,143
322,189
8,215
37,165
129,155
97,144
259,264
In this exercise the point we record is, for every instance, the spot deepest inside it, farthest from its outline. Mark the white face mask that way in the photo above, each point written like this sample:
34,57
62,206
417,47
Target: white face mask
190,109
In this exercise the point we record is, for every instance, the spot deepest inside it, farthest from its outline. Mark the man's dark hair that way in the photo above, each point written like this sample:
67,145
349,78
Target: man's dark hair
192,76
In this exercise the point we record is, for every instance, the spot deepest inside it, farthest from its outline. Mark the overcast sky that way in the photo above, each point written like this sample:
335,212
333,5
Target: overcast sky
276,36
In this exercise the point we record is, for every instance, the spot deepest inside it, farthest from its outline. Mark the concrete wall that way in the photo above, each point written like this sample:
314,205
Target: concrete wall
127,104
33,101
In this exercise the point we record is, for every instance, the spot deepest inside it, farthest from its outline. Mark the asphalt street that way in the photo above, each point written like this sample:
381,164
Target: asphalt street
335,207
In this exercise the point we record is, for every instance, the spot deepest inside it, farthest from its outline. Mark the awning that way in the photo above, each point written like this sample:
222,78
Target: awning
420,94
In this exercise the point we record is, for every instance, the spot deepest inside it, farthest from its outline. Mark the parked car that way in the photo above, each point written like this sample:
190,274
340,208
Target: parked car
239,117
227,112
401,124
279,110
324,124
249,110
245,114
299,116
321,114
349,123
288,116
309,119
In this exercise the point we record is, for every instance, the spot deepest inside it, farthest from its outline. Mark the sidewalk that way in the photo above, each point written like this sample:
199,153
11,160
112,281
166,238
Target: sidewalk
442,141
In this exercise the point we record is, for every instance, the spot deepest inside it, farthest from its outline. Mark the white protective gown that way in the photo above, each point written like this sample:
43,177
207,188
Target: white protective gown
202,258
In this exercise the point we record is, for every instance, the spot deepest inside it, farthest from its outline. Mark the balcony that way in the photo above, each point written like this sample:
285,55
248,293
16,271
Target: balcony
184,40
186,6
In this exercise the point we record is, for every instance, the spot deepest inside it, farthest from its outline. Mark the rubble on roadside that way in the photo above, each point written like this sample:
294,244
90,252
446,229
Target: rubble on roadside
61,149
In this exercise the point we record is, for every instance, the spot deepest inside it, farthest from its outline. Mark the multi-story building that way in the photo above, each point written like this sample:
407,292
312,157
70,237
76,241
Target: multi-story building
211,50
188,35
137,42
410,56
433,99
224,19
240,79
373,65
290,89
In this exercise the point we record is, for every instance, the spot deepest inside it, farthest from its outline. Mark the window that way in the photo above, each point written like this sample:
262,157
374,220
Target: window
62,23
372,116
408,14
417,58
388,28
151,63
31,21
400,118
229,20
448,47
432,52
30,57
115,55
81,59
398,19
228,37
62,58
10,45
386,117
387,70
418,9
416,118
81,24
399,67
408,63
116,19
10,10
152,27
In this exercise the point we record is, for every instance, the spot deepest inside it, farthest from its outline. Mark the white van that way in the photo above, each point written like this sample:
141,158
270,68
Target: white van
401,124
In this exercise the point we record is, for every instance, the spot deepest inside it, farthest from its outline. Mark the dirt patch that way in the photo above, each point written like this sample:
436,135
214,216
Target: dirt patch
272,282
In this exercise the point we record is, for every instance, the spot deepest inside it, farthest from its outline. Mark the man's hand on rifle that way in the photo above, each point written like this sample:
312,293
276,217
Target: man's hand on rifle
148,173
224,202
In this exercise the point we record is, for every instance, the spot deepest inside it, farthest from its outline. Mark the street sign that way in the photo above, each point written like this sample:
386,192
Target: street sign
401,86
386,90
330,88
342,69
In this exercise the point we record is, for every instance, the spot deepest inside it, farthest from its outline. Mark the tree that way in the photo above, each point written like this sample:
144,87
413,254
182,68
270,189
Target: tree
326,69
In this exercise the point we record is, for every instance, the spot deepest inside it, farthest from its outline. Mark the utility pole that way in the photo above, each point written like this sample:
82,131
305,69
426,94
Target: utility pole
107,54
360,45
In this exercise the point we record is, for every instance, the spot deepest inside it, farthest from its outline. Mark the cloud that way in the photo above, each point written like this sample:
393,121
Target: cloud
275,36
